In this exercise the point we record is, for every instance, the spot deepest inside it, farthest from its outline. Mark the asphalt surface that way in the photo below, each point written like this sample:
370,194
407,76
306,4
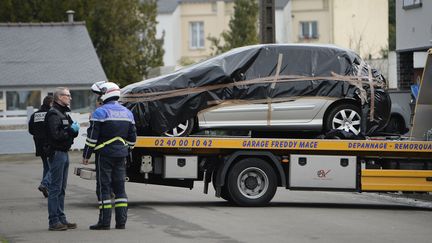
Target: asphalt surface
167,214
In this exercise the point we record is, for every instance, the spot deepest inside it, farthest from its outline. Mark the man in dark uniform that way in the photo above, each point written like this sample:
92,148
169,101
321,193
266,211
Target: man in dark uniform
36,127
61,133
111,135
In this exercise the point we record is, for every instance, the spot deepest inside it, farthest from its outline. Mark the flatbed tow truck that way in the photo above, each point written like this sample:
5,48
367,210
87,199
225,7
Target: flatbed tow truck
247,171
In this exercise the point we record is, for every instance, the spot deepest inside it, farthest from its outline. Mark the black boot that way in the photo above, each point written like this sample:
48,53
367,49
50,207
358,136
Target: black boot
104,220
120,217
99,227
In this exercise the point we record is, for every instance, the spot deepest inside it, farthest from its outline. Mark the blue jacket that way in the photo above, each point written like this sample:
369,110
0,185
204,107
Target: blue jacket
112,131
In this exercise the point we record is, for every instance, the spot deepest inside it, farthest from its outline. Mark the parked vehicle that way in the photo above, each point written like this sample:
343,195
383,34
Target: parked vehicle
264,87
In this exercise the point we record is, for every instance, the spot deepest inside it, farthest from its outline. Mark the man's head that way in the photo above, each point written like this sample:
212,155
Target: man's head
107,91
48,100
62,96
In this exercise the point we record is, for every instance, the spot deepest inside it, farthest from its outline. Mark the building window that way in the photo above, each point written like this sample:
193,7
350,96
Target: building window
196,35
408,4
2,102
82,101
309,30
19,100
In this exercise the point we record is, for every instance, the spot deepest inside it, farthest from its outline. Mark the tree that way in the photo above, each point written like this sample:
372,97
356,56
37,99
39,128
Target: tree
242,28
151,48
392,25
116,27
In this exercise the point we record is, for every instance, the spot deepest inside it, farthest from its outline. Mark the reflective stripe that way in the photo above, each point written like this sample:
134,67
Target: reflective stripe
119,205
105,206
110,141
113,119
130,143
91,140
90,144
121,200
105,202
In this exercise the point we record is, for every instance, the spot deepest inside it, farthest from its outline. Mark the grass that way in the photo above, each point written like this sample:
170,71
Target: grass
3,240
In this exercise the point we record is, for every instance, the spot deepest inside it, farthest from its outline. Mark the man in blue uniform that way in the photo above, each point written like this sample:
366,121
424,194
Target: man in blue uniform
111,135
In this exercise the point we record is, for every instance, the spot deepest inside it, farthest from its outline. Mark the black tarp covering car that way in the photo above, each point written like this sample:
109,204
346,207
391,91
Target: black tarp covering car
259,72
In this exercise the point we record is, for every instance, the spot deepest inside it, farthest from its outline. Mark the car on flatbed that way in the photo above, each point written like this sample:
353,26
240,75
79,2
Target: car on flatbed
271,87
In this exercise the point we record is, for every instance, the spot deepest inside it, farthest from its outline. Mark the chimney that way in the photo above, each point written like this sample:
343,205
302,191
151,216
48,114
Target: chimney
70,14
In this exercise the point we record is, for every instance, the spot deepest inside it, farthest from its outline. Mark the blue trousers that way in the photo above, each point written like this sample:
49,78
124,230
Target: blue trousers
111,174
58,168
46,176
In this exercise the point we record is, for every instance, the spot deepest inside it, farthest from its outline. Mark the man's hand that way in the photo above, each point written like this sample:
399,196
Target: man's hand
75,127
85,161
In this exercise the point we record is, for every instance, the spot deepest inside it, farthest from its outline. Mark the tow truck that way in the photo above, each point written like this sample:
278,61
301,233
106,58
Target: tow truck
247,171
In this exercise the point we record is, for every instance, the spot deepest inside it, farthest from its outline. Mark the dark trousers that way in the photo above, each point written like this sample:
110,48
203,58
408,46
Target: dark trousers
58,168
111,174
46,176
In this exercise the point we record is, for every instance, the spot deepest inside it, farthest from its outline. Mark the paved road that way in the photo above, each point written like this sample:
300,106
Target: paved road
165,214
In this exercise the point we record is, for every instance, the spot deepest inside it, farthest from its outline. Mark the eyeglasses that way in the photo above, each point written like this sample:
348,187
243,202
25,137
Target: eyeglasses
68,95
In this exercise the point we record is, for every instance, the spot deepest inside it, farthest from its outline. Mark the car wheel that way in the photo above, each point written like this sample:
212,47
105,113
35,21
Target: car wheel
344,117
395,125
251,182
183,129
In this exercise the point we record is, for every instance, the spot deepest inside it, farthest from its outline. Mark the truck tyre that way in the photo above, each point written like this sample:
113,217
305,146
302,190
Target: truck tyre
344,117
184,129
224,190
251,182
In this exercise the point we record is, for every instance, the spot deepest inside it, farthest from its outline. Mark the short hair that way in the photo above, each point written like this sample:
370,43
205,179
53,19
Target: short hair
58,92
48,100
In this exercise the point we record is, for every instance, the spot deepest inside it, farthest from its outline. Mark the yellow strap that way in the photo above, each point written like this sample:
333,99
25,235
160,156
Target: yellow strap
118,205
105,206
110,141
90,144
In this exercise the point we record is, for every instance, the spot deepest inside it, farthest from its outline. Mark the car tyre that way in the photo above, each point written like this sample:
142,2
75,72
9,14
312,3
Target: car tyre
345,117
183,129
251,182
395,125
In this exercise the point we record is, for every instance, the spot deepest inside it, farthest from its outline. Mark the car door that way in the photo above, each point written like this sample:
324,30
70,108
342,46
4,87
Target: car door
245,115
299,111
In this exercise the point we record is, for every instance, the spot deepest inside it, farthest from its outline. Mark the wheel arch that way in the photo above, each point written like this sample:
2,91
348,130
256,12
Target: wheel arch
399,117
270,158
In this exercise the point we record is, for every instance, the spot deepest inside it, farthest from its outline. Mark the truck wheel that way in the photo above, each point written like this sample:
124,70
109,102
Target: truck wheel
251,182
183,129
224,190
225,194
344,117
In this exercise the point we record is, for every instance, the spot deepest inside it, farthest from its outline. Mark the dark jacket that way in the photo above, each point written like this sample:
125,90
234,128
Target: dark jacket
36,127
60,133
112,131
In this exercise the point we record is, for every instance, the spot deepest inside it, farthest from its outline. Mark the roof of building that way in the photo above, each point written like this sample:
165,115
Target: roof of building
280,3
169,6
166,6
47,54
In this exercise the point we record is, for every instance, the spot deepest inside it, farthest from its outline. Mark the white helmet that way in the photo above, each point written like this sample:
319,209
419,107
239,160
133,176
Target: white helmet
106,90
